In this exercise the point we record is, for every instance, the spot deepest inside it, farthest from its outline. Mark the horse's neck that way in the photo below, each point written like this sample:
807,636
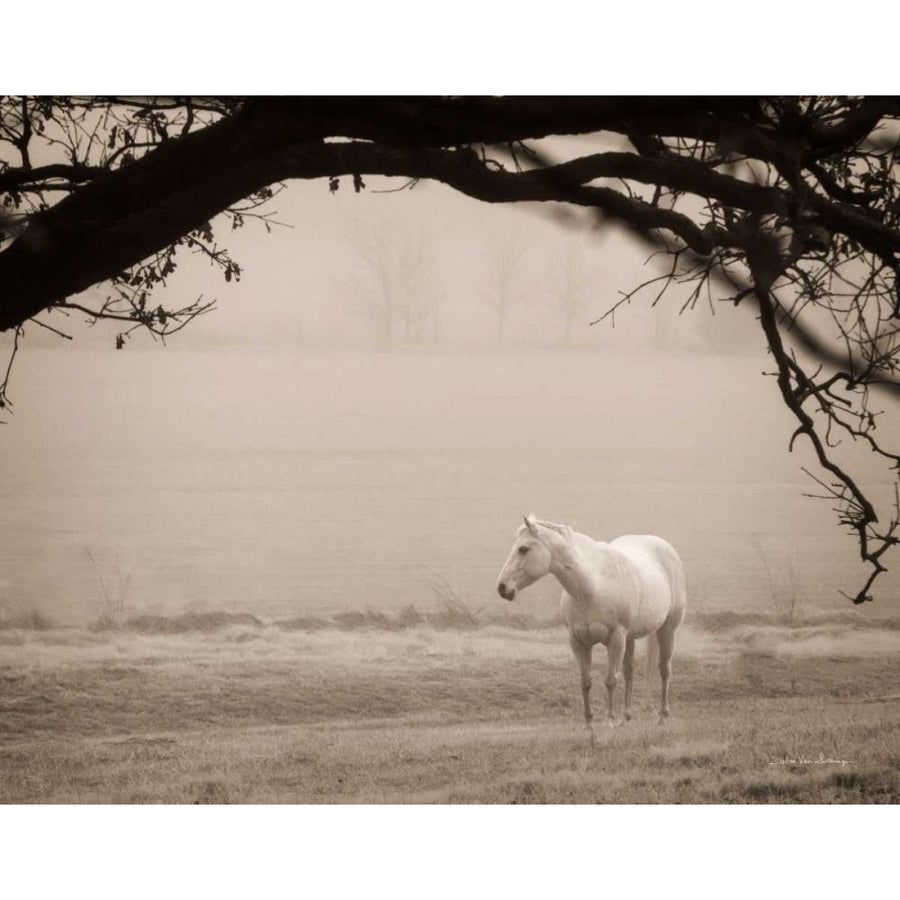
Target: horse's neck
571,570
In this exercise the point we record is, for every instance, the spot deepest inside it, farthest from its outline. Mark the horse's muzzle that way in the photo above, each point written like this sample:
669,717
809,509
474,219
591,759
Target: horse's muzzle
504,593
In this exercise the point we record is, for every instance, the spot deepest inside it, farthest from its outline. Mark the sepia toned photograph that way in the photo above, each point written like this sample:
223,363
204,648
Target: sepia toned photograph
449,449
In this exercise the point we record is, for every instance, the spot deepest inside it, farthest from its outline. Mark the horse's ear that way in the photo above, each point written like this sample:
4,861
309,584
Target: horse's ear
531,523
563,530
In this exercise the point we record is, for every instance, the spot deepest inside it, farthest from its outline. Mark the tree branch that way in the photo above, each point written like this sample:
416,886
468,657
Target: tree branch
14,179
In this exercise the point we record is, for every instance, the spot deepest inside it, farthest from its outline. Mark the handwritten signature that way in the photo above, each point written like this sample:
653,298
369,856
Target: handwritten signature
820,760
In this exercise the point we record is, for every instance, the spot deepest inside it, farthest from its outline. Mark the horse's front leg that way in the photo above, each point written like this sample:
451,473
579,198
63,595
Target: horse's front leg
615,654
583,653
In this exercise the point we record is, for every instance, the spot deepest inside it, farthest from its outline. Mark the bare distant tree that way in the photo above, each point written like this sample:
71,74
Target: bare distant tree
571,287
506,252
419,294
375,293
395,293
788,205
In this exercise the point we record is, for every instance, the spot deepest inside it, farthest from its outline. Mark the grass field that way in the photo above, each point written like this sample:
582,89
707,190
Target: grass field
363,708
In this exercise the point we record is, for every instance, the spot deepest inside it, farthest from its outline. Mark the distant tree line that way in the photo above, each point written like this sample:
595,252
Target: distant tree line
547,296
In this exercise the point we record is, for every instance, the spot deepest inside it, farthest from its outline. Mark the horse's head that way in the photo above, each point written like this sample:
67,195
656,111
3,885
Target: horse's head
531,555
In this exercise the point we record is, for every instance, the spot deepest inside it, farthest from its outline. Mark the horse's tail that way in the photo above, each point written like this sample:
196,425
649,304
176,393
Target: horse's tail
652,660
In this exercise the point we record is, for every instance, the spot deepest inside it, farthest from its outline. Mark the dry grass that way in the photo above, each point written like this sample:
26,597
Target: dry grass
236,711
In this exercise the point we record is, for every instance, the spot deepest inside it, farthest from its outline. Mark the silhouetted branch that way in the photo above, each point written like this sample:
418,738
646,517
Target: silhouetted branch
5,402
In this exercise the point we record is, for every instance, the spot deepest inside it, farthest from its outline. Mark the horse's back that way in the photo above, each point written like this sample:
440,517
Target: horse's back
659,569
648,548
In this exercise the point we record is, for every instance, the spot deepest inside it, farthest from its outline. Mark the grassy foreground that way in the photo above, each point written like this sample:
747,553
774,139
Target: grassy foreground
245,712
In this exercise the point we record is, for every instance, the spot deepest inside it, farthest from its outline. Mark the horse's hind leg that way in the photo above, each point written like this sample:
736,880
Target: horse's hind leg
628,670
666,636
583,653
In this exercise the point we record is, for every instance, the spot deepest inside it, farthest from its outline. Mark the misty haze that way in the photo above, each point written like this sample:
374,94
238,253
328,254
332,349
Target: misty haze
257,562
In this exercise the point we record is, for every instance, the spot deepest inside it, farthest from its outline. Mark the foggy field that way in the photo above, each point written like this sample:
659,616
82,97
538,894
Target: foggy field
289,484
355,712
209,562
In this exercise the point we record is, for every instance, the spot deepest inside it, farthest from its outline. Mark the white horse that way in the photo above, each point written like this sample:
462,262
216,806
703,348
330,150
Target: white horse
612,594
